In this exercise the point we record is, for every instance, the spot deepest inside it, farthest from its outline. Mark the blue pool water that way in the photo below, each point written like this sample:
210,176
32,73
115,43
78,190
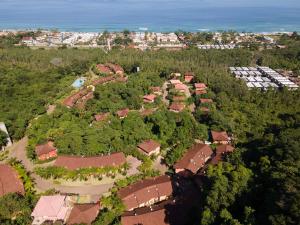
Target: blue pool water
154,15
78,83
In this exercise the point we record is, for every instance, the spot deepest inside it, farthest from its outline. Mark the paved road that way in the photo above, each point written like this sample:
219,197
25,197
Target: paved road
18,150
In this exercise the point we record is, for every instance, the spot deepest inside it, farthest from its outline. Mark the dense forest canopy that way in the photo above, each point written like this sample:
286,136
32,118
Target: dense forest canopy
258,184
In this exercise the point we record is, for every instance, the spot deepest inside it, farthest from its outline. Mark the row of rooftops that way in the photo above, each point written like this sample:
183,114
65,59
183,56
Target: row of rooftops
262,77
220,46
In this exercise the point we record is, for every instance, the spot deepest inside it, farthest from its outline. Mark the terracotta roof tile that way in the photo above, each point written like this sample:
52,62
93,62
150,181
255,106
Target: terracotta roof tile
148,146
44,149
10,181
219,136
83,214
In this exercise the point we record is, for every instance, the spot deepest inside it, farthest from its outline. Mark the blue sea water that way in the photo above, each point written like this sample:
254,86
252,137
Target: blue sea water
116,15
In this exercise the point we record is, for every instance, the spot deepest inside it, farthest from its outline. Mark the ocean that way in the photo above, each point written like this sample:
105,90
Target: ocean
95,16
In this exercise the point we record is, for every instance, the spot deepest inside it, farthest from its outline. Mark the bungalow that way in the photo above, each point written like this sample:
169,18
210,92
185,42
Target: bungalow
180,87
101,116
188,77
10,181
224,149
205,100
83,214
146,192
156,90
78,162
117,69
200,88
46,151
176,107
54,208
194,159
122,113
220,137
150,147
149,98
104,69
28,40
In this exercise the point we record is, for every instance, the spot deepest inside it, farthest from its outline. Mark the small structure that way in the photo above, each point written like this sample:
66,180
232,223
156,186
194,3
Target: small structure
46,151
149,98
4,129
205,100
200,88
9,181
117,69
83,214
103,69
188,77
101,116
224,149
51,208
122,113
173,82
180,87
156,90
150,147
220,137
177,107
146,192
194,159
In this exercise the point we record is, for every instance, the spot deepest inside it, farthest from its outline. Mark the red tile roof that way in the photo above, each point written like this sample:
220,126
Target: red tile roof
122,113
103,69
103,80
149,146
10,181
181,87
77,162
205,100
194,158
178,107
200,86
219,136
72,100
179,98
45,148
145,190
101,116
149,98
189,74
221,149
83,214
115,68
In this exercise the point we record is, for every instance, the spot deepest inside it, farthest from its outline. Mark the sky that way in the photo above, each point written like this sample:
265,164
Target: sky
212,3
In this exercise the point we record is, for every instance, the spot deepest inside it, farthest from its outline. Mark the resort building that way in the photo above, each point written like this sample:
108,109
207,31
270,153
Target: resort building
149,98
101,116
220,137
54,208
188,77
200,88
149,147
194,159
78,162
146,192
83,214
176,107
46,151
122,113
10,181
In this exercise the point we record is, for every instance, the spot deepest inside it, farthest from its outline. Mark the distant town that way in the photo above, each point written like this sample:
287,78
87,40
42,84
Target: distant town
146,40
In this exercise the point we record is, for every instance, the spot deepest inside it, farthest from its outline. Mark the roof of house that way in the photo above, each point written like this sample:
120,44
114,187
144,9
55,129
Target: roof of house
205,100
189,74
77,162
103,80
200,92
177,106
219,135
51,206
145,190
83,214
122,112
72,100
115,67
224,149
103,69
194,158
180,87
175,81
45,148
200,85
177,98
148,146
10,181
204,109
150,97
101,116
147,112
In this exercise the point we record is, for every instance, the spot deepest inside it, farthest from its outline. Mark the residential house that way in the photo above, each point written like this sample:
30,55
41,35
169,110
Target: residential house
194,159
205,100
51,208
101,116
180,87
188,77
156,90
74,99
83,214
122,113
28,40
104,69
146,192
10,181
220,137
150,147
46,151
177,107
117,69
149,98
103,80
78,162
200,88
173,82
221,150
